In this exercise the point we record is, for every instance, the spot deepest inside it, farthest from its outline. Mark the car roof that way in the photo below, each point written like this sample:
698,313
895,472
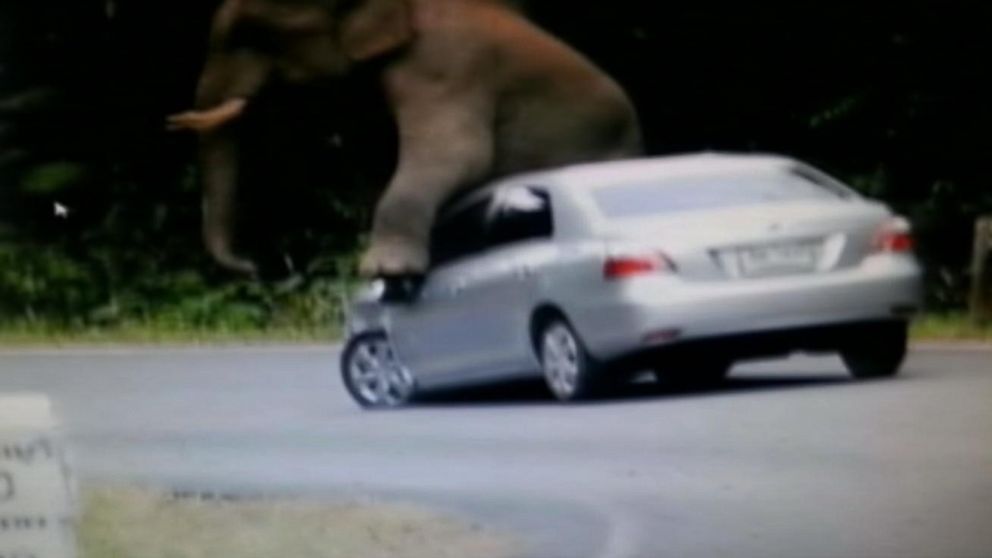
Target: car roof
647,168
605,173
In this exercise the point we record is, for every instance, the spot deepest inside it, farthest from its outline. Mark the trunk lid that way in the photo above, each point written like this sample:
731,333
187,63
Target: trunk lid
770,239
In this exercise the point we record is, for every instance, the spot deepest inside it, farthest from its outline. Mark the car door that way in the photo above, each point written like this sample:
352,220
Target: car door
438,335
506,293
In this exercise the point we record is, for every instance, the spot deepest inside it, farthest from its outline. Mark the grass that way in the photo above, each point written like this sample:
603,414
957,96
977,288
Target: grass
950,327
42,335
128,523
930,327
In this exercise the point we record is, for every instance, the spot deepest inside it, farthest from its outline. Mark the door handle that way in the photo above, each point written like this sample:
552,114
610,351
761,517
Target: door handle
524,272
457,287
7,481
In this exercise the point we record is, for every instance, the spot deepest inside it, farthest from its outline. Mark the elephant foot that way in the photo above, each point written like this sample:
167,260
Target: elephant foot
394,259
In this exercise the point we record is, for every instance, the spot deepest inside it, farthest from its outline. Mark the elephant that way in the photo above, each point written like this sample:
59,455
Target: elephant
477,91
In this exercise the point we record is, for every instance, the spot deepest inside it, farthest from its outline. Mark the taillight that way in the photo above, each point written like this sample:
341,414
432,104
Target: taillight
895,236
632,265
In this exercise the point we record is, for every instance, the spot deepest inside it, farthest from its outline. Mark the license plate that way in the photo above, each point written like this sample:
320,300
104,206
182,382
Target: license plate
793,257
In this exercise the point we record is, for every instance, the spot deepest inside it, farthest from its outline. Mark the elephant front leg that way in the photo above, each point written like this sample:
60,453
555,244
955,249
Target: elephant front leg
400,234
434,164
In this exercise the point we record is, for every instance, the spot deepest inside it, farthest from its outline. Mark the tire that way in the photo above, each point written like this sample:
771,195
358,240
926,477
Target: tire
876,351
372,374
701,371
568,369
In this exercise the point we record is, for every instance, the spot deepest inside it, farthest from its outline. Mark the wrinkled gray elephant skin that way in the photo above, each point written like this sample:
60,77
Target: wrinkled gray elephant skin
476,89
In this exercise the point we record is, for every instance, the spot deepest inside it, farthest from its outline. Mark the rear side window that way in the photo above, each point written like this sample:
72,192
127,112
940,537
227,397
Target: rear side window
691,193
521,214
823,180
461,232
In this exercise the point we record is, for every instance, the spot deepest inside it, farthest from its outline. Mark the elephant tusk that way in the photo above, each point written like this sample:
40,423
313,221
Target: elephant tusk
203,121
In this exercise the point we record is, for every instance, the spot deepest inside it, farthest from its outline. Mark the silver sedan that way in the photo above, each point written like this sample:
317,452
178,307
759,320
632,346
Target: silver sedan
682,265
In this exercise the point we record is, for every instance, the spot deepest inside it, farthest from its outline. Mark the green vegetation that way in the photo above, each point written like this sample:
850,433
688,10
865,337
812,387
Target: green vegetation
39,335
950,327
237,313
133,524
48,298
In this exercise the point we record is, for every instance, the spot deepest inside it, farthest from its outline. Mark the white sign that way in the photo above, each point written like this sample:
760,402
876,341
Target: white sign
36,490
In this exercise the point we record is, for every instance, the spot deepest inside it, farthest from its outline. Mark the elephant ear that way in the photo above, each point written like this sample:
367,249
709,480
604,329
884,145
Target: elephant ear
371,28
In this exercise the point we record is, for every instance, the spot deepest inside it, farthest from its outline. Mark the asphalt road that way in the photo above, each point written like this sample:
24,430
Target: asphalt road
789,459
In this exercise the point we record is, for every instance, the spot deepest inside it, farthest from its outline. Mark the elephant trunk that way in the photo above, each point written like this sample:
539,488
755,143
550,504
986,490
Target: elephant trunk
219,154
229,80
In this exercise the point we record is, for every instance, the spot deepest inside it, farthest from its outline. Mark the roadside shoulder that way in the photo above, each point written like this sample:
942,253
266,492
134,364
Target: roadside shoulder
952,345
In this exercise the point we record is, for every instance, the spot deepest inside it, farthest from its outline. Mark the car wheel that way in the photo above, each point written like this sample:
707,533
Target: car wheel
568,369
693,372
876,352
373,375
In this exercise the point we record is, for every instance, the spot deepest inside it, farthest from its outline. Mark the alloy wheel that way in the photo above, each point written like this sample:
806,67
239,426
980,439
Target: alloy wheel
562,361
373,375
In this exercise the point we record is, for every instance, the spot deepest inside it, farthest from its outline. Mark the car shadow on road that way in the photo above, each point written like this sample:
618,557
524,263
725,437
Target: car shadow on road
534,391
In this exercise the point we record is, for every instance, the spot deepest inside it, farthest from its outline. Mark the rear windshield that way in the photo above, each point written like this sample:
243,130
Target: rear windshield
714,192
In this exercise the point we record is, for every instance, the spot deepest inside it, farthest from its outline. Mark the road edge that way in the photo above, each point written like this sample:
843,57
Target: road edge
263,348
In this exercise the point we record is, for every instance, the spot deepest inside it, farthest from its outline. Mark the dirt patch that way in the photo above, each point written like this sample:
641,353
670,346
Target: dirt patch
127,523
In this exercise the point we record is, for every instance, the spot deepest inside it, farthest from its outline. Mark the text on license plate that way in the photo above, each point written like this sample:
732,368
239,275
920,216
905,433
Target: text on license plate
786,257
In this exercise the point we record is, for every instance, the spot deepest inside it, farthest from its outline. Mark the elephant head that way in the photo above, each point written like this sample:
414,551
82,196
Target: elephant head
253,41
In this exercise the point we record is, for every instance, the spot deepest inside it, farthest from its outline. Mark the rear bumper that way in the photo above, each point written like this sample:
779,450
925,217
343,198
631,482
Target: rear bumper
651,314
764,344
